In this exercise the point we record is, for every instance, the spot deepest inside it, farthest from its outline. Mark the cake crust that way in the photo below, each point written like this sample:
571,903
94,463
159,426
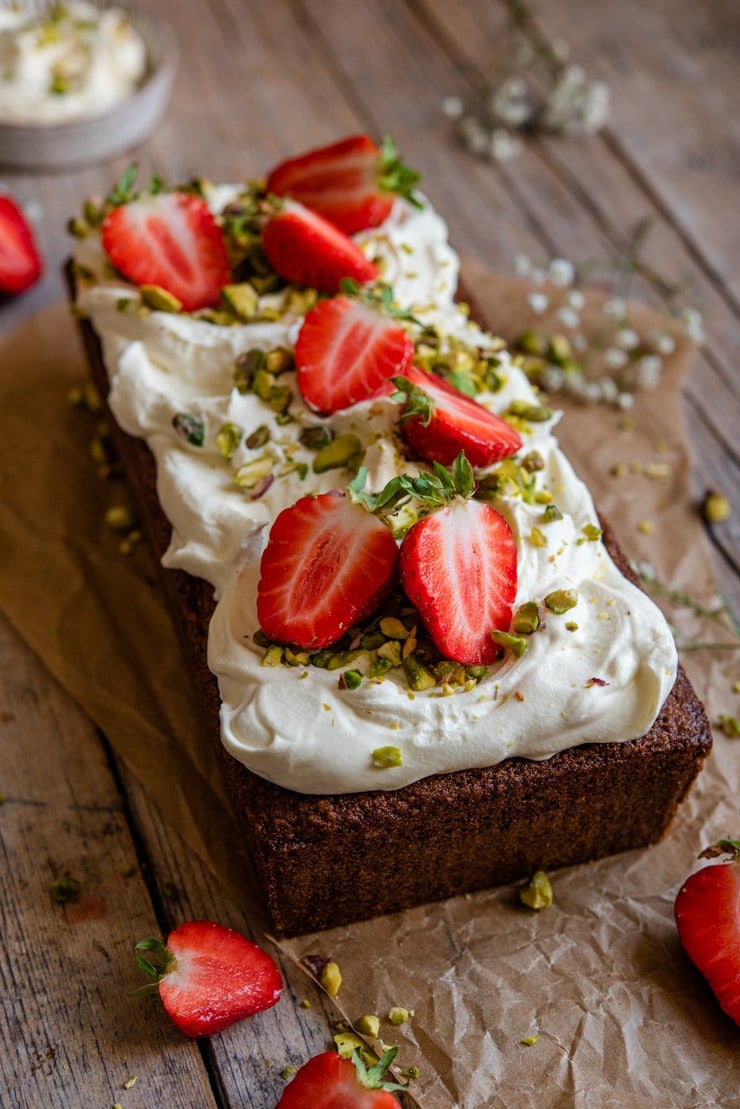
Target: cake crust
315,856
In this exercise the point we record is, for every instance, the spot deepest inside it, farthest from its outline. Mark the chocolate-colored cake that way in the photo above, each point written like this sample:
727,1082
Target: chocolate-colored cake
329,860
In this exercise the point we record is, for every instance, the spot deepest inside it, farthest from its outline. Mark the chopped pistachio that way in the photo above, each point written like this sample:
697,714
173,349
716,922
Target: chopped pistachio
533,462
189,428
527,618
515,643
368,1025
120,518
592,532
314,437
65,889
306,1003
289,1071
350,679
228,438
273,656
537,894
78,228
130,1082
417,675
279,359
399,1015
347,1043
716,508
729,725
384,757
561,600
392,651
246,367
536,538
571,626
342,451
380,667
529,1041
331,978
533,342
242,299
393,627
251,473
410,1072
258,437
154,296
552,512
534,413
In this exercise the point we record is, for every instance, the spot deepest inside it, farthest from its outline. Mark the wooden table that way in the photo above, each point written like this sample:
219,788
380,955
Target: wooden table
256,82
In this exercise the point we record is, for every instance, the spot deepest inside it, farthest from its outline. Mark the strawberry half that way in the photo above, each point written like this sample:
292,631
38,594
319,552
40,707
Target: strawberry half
707,913
20,261
328,563
459,568
346,351
352,183
209,976
171,240
441,421
306,249
329,1081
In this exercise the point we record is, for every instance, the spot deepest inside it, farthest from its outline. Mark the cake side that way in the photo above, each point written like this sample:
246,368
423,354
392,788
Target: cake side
443,835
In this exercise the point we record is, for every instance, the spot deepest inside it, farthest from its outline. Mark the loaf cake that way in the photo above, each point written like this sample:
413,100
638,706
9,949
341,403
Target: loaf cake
432,741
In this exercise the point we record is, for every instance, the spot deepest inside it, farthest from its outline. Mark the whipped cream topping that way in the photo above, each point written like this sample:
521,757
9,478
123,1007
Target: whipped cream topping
598,674
74,60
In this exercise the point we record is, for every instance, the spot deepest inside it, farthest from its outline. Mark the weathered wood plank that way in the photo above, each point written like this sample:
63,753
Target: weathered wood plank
250,1056
72,1033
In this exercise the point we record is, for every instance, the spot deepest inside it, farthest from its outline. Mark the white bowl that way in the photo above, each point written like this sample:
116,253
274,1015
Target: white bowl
91,139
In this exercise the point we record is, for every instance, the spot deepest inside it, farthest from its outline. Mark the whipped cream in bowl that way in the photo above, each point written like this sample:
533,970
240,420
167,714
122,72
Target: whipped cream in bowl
597,669
80,81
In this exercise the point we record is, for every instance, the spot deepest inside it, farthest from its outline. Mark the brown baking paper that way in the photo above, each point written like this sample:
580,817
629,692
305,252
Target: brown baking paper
599,978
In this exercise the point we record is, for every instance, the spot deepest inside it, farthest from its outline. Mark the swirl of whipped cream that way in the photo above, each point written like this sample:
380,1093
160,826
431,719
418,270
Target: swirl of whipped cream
599,674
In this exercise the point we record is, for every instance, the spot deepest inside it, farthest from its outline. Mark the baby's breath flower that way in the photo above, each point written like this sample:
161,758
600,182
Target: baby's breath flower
562,272
615,307
538,302
453,107
503,146
627,338
648,371
522,265
569,317
662,342
694,324
615,359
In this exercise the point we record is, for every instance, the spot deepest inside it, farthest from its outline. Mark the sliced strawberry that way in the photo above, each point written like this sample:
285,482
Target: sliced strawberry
459,567
454,423
171,240
352,183
708,920
346,351
328,563
306,249
327,1081
20,261
209,976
